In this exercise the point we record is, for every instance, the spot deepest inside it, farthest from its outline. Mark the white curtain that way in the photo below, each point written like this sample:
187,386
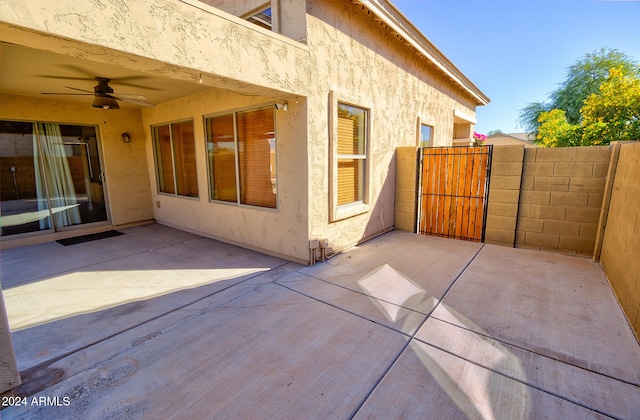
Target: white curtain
62,194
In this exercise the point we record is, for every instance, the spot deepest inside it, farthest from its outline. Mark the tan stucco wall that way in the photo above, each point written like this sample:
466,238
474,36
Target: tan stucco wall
174,39
282,231
621,246
346,52
357,58
124,164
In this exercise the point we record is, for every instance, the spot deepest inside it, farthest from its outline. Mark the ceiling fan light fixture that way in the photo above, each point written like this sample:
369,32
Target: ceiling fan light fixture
105,102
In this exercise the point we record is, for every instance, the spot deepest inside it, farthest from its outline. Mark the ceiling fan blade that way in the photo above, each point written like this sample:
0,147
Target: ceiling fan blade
81,90
133,96
133,101
66,94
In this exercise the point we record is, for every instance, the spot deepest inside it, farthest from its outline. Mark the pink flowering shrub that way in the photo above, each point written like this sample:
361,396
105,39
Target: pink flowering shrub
479,138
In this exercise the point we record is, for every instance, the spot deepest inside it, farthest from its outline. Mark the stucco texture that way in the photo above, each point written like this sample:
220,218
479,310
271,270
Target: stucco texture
358,59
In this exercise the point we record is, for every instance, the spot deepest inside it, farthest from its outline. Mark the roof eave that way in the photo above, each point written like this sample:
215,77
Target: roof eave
386,12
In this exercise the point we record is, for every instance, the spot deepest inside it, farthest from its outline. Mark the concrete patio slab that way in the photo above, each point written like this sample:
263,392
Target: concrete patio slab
401,326
400,268
593,390
21,265
272,353
429,383
379,311
554,305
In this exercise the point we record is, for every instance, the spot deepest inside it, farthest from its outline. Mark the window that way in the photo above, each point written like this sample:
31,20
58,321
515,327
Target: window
426,135
261,18
241,153
351,155
176,159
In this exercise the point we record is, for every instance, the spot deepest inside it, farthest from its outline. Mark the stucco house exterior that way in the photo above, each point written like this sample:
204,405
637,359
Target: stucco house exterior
274,125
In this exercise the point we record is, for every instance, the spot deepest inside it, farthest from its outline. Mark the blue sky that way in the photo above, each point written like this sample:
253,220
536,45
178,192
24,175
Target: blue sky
518,51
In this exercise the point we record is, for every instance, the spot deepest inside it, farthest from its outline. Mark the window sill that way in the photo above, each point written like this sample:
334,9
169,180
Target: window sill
349,210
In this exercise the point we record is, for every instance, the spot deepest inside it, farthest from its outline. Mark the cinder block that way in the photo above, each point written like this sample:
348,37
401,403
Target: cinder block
600,169
406,195
580,184
535,197
595,200
502,209
526,183
561,227
583,214
551,183
591,154
501,222
554,154
530,154
506,168
408,218
548,212
524,210
538,168
404,176
520,234
507,153
505,182
499,236
546,240
588,230
577,244
568,199
497,195
527,224
583,169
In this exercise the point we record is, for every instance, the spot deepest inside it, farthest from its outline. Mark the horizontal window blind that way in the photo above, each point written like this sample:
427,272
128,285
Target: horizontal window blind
164,161
255,135
351,153
222,159
184,153
176,159
253,140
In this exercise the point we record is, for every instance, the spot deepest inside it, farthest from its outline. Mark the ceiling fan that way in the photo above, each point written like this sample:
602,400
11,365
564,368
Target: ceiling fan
105,97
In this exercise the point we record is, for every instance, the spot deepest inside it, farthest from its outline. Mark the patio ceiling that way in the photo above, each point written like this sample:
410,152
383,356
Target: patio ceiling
30,72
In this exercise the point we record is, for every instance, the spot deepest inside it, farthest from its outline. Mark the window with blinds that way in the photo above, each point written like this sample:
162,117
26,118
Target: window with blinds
241,150
351,153
176,159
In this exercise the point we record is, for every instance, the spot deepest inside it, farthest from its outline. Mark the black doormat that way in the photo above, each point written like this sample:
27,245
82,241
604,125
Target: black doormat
87,238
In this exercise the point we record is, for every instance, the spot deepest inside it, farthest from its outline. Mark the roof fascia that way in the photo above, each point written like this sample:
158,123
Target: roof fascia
397,22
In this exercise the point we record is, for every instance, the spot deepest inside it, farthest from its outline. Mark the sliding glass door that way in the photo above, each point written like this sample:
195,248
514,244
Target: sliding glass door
50,177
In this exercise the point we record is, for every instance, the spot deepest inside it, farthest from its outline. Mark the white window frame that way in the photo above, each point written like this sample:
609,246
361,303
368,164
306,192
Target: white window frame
421,123
345,211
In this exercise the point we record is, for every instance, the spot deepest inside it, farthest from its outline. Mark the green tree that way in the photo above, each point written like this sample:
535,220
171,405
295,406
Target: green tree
583,79
613,113
556,131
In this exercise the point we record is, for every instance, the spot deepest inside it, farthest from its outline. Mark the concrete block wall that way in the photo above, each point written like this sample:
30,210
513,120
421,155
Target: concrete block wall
504,194
561,198
621,246
406,189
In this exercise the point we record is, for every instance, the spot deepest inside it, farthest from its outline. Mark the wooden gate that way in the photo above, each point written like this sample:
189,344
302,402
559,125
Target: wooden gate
454,187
